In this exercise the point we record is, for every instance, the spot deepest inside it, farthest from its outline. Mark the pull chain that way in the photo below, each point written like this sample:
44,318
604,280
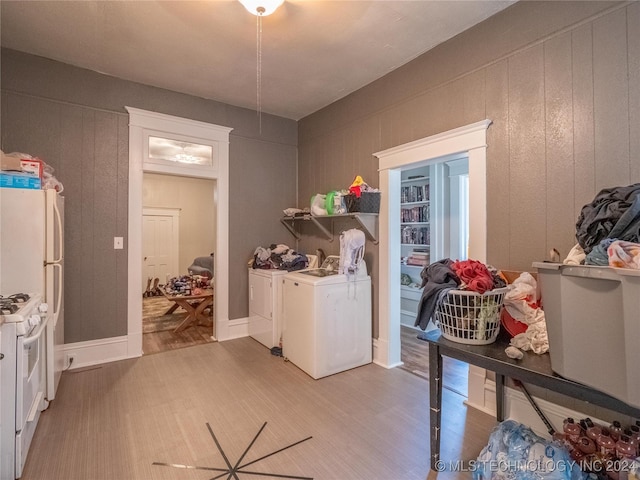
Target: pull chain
259,67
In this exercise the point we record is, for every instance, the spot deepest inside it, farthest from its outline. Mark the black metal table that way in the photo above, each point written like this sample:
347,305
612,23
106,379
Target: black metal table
533,369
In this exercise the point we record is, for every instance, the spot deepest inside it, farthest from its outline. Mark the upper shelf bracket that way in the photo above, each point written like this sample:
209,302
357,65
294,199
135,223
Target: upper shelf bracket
368,222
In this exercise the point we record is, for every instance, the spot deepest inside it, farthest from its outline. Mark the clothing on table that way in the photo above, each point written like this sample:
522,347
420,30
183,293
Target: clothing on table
598,254
575,256
613,213
624,254
474,275
437,278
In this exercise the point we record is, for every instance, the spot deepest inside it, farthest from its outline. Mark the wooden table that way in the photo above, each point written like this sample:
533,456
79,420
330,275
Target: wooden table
533,369
194,306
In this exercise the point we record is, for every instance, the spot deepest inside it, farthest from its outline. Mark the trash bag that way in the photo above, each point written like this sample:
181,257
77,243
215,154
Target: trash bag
515,452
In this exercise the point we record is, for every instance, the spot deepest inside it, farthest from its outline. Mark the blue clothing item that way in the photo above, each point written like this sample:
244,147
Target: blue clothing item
599,255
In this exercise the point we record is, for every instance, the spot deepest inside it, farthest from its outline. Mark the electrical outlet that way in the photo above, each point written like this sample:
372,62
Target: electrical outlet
69,359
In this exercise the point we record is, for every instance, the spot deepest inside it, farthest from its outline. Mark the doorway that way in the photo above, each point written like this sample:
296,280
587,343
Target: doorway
471,139
178,226
434,220
165,144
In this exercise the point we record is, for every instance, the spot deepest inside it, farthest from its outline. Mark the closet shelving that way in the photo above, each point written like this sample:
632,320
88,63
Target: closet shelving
367,222
415,238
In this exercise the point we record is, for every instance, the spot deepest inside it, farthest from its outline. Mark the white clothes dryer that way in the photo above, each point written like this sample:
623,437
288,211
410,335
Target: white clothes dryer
265,304
327,319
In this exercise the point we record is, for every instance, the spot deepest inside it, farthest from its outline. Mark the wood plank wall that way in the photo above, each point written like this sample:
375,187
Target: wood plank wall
559,80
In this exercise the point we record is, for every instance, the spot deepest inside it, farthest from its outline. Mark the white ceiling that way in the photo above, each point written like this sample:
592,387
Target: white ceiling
313,52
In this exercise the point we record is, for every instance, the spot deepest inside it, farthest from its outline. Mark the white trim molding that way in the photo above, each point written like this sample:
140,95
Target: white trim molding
142,124
96,352
470,139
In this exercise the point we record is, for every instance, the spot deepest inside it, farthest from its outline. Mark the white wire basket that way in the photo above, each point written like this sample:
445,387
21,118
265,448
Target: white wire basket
469,317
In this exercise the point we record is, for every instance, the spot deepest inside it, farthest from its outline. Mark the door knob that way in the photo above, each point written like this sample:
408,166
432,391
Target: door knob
145,259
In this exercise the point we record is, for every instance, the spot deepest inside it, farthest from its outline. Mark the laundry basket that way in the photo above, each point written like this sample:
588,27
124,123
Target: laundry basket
469,317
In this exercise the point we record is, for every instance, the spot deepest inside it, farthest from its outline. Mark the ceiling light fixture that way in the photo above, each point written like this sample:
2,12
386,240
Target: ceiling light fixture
260,8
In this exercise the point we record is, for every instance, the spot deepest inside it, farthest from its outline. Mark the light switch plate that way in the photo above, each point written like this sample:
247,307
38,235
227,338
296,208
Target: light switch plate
118,243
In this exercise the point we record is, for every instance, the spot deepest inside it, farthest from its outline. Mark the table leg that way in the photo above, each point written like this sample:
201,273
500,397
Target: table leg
499,397
200,317
435,400
172,309
191,315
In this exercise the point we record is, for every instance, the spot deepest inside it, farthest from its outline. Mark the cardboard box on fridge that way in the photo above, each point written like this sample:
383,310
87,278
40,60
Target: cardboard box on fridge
27,166
19,180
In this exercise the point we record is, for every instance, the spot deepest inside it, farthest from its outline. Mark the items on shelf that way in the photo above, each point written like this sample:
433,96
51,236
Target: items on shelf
415,193
418,258
415,235
417,214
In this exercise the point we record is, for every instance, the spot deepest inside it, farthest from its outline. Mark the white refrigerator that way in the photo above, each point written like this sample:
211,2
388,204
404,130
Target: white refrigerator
31,261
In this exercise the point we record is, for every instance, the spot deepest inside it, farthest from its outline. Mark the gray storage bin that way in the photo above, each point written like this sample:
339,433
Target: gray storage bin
593,324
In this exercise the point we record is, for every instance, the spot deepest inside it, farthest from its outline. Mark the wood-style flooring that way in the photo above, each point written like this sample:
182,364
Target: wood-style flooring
415,355
163,338
114,421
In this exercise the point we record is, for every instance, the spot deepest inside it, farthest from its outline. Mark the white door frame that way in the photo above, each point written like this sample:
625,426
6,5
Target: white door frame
175,234
142,124
470,139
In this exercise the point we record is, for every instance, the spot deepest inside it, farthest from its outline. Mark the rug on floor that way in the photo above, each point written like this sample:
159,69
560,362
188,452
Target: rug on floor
162,323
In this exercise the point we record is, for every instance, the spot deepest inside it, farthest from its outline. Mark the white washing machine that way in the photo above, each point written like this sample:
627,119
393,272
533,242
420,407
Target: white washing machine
327,319
265,303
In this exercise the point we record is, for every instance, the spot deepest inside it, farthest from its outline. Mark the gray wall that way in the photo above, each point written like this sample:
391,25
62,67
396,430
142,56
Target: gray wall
561,82
75,120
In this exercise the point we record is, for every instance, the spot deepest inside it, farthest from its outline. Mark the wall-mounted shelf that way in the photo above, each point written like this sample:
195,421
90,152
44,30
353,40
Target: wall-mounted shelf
368,222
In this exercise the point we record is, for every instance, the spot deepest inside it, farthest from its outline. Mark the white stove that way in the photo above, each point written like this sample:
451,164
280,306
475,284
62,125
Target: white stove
23,375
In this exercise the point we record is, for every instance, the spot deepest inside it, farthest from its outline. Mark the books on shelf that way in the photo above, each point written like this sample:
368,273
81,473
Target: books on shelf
417,262
415,214
418,258
414,193
415,235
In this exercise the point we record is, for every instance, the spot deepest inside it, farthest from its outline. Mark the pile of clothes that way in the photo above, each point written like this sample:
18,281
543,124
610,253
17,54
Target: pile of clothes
440,277
278,257
522,303
608,230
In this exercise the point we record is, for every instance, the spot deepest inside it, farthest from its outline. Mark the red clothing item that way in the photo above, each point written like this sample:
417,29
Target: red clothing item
474,274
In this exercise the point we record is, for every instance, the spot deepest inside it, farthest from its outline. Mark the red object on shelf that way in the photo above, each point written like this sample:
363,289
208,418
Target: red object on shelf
511,325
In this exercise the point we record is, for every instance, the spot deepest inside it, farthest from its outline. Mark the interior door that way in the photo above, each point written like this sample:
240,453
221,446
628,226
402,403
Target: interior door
159,247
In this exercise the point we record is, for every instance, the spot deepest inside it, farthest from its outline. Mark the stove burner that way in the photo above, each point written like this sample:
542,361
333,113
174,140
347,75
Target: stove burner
19,297
7,307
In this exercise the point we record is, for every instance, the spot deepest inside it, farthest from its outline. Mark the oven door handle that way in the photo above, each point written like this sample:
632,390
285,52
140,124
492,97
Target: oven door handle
36,335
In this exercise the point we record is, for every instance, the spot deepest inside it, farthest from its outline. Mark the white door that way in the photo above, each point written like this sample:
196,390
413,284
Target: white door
160,237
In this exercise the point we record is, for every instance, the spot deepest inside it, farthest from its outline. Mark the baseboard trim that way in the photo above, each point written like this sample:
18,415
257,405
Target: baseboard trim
231,329
518,408
96,352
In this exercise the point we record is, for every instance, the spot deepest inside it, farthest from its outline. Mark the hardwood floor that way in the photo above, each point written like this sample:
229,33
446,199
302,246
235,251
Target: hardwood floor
415,355
157,329
115,420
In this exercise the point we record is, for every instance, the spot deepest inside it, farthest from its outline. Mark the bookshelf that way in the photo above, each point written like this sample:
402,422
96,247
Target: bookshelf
415,242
